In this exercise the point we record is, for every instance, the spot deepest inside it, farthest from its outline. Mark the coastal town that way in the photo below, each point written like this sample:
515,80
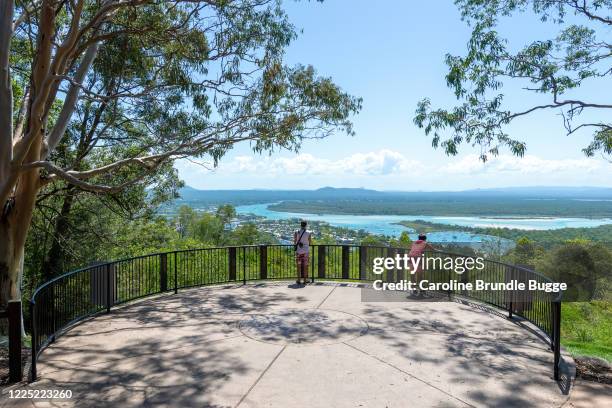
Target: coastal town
283,229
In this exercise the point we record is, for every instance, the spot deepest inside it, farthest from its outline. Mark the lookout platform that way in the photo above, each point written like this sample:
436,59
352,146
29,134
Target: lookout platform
278,344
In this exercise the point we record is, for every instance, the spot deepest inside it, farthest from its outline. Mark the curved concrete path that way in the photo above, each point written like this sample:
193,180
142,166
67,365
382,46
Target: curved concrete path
280,345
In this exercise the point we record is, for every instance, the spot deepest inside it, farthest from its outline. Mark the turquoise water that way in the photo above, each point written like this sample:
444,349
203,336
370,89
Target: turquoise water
384,224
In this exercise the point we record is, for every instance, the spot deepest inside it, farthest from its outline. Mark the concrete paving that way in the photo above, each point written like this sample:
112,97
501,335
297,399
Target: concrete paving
283,345
587,394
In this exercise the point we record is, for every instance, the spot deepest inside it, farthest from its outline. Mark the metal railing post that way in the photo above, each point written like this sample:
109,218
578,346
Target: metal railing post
163,272
14,328
108,287
363,260
510,296
557,339
263,262
34,334
449,291
311,265
53,313
231,252
321,261
244,269
175,275
390,272
345,261
552,325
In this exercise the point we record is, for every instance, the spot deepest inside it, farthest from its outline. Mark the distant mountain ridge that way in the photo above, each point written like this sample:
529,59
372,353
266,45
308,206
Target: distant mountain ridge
257,196
581,202
333,193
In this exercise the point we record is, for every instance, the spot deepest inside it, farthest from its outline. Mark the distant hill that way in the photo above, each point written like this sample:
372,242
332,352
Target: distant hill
330,193
266,196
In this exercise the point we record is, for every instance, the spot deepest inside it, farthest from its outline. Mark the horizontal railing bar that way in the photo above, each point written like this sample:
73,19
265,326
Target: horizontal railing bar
123,260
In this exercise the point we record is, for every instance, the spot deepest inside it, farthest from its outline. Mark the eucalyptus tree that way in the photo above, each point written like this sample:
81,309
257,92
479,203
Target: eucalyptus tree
559,68
176,79
75,223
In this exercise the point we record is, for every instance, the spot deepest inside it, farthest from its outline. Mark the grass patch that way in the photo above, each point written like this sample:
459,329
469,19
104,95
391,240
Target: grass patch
586,329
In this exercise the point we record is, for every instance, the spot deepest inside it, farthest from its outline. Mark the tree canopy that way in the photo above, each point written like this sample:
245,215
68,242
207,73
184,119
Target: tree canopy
102,96
556,67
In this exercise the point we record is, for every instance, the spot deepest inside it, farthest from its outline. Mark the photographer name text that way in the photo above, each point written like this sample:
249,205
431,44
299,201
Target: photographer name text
478,284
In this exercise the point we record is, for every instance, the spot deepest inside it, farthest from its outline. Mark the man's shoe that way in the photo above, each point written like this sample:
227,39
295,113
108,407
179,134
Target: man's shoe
298,282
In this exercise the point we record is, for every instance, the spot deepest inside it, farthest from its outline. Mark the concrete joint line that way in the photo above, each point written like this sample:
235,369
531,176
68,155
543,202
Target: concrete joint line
408,374
261,376
328,295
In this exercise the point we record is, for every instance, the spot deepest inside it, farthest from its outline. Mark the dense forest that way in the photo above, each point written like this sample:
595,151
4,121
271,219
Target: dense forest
545,238
454,206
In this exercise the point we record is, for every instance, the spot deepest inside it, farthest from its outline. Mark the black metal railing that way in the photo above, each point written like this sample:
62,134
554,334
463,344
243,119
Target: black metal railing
12,314
63,301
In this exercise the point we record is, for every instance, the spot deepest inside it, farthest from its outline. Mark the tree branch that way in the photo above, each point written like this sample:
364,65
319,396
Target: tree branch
579,105
21,115
70,101
61,54
583,9
94,188
27,11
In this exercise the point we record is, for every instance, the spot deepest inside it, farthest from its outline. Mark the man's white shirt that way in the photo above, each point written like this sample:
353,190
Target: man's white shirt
305,239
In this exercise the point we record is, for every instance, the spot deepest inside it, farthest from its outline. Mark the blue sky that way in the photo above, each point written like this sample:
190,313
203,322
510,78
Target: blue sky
391,53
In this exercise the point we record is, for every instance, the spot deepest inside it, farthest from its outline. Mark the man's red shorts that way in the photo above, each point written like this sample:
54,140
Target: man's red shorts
302,259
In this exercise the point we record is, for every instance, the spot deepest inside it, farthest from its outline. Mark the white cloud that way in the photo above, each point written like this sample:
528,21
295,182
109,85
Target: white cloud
388,162
529,164
380,163
388,169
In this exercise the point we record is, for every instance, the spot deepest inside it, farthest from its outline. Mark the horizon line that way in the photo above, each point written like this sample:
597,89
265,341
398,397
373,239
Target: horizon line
405,191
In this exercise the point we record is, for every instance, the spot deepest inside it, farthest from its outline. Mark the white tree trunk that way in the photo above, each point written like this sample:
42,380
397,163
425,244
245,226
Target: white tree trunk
10,265
6,93
14,227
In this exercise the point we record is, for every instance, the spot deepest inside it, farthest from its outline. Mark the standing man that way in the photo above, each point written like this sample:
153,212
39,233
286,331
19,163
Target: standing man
302,241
